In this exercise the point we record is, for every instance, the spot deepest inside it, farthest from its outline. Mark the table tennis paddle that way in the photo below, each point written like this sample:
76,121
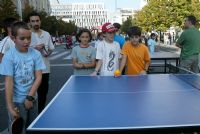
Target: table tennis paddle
17,125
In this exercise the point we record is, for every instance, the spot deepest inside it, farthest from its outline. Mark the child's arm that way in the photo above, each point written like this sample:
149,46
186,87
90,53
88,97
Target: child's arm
123,62
9,96
97,68
90,65
147,61
146,68
36,83
76,64
47,53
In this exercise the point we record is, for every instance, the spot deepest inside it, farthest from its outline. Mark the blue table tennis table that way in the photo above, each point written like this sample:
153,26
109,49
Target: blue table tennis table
142,104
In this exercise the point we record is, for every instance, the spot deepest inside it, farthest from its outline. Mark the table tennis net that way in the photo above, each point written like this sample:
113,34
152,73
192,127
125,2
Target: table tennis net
187,76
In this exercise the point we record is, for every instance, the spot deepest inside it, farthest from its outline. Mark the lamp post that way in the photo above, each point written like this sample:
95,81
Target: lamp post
19,5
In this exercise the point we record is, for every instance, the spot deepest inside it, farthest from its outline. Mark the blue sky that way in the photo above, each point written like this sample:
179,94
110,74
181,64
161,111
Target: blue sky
110,4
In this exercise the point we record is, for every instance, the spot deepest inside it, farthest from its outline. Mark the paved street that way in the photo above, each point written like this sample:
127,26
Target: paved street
61,70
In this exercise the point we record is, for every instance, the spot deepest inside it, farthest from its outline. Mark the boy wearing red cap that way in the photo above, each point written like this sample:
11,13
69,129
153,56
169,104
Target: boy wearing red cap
108,53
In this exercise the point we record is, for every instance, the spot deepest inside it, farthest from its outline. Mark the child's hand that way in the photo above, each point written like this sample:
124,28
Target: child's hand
15,113
45,54
28,104
80,65
143,73
93,74
39,47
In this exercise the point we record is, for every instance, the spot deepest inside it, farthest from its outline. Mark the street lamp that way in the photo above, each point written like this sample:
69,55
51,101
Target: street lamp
19,5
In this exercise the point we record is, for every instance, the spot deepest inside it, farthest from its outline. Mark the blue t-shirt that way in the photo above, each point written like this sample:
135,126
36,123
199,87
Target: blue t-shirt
151,43
120,39
83,55
22,67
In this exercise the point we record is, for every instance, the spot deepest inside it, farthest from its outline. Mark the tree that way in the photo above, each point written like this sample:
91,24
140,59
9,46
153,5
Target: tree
127,24
27,10
162,14
54,26
49,23
7,9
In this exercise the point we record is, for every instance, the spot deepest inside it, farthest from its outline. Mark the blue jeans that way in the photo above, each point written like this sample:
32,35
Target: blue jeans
27,115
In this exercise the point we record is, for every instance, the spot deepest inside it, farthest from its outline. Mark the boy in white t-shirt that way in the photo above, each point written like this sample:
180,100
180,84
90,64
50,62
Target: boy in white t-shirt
108,53
7,42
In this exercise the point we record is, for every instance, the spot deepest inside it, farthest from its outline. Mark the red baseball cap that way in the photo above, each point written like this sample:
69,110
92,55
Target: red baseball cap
108,28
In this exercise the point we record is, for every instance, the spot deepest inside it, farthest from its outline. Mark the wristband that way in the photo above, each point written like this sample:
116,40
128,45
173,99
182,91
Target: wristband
30,98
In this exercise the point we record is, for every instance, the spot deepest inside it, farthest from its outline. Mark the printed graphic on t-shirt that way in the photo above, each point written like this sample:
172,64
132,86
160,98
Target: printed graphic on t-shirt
87,55
26,72
110,66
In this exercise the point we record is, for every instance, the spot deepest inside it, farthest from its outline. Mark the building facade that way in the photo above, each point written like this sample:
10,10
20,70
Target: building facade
121,15
127,12
62,11
85,15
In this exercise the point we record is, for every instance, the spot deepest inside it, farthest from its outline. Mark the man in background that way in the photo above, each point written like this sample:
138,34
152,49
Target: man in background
41,40
189,42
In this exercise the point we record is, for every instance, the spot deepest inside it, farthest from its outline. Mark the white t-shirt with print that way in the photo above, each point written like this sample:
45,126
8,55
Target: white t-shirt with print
109,53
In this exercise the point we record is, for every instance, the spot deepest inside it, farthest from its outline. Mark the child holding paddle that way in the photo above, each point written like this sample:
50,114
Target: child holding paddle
22,67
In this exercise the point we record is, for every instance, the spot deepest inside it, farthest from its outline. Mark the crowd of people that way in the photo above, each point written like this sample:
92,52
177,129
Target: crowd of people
24,59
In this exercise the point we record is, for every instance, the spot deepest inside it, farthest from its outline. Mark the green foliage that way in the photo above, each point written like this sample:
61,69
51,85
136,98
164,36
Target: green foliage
161,14
27,10
127,24
49,23
57,27
7,9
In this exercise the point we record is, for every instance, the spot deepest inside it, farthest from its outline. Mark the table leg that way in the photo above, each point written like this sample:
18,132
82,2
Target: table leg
165,66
